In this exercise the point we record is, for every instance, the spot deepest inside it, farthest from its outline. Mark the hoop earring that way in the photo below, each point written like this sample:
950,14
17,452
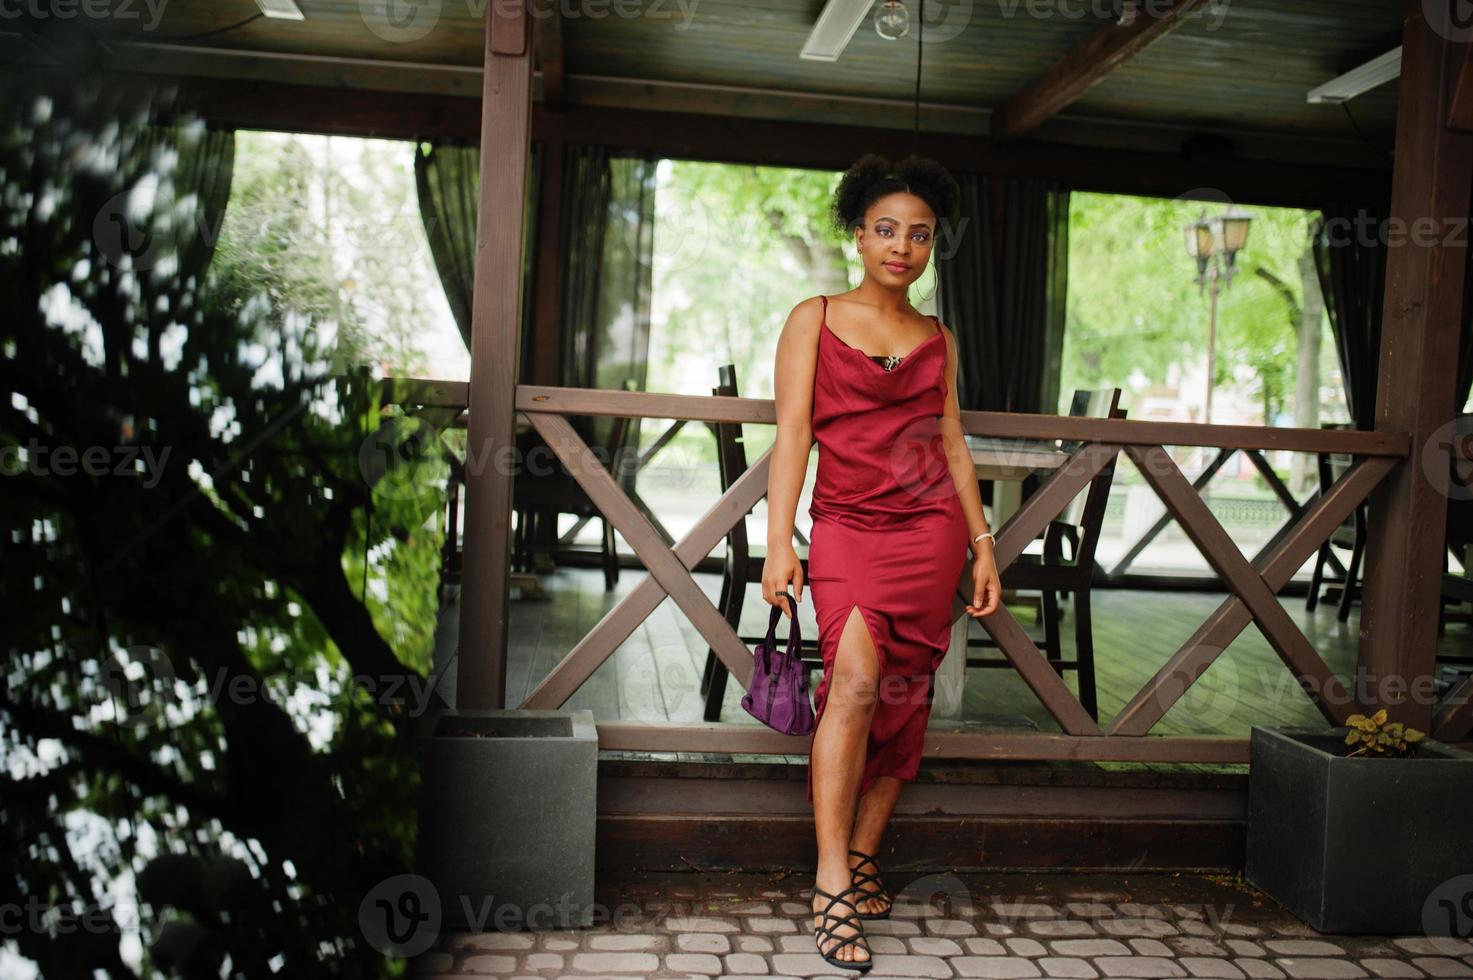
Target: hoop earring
935,284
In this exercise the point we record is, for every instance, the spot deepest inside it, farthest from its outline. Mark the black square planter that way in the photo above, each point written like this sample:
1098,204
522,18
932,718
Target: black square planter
507,813
1357,845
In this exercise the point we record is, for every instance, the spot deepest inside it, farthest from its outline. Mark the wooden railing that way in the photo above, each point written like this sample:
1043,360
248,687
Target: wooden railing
1253,584
1282,494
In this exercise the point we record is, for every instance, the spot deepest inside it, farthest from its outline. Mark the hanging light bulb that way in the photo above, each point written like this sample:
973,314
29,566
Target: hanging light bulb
892,20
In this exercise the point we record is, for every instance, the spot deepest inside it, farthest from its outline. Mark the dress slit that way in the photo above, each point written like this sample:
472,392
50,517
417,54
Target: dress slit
867,778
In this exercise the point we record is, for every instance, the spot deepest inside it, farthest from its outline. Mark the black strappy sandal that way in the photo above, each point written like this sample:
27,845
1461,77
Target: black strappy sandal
827,932
862,878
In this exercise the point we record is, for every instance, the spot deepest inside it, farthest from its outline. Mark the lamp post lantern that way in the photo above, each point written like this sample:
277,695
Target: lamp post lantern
1215,244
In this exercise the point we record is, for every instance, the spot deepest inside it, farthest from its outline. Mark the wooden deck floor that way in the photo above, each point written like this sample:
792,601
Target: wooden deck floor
655,675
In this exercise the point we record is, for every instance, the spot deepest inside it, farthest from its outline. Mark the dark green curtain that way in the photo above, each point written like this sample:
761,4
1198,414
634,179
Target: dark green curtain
627,281
1350,260
588,191
187,169
965,300
606,265
1008,311
448,180
605,261
1032,293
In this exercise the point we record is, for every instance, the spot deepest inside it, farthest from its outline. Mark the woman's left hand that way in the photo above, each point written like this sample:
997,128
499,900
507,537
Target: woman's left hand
986,587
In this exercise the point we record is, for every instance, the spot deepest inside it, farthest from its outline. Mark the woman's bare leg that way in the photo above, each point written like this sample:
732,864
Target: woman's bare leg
837,764
875,807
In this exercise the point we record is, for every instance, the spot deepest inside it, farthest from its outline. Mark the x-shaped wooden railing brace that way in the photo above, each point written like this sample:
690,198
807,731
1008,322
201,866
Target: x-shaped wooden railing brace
1255,588
669,569
1248,585
1452,720
1060,487
1255,456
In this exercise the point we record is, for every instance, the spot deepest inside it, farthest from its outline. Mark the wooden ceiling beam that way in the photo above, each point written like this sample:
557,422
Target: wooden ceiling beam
1159,170
1083,67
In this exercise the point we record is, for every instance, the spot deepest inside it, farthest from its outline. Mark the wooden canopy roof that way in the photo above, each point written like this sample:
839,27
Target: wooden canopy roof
1199,80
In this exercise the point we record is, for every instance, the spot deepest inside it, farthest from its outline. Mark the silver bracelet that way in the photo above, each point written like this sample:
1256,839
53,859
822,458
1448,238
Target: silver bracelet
984,534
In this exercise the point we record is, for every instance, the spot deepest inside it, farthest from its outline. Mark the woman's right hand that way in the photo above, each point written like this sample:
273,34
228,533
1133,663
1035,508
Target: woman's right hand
782,572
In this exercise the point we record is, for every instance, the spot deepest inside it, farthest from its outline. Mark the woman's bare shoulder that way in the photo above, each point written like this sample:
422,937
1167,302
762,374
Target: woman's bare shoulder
805,319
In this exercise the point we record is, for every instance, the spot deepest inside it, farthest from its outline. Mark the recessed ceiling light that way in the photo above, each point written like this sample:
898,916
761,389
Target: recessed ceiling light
1375,72
281,9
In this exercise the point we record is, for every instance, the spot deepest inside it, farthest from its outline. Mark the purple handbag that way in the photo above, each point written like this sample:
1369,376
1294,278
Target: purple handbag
778,693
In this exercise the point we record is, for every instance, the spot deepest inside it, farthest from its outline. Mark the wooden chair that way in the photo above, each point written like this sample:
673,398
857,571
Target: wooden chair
1457,590
1097,403
1080,523
744,561
1350,534
538,499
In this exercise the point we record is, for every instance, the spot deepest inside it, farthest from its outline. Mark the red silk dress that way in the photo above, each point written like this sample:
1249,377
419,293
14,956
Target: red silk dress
888,533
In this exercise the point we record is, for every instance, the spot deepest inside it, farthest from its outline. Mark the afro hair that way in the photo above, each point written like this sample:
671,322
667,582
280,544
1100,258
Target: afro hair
872,177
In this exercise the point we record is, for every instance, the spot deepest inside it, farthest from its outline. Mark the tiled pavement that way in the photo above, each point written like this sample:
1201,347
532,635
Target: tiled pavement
1000,926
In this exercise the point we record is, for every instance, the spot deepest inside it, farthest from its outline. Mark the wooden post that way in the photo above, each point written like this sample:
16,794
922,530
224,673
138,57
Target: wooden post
506,133
547,290
1414,390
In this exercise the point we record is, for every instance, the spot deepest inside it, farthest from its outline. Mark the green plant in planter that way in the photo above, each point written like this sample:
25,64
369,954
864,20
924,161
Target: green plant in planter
1374,736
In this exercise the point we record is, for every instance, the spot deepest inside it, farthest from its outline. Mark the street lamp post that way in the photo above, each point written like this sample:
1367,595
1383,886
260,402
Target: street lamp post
1215,244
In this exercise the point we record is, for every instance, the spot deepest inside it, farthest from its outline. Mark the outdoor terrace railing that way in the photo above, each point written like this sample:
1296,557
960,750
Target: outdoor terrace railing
1253,584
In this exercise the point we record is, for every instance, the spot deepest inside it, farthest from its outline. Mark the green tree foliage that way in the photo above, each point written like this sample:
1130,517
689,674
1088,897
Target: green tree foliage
1136,317
756,239
206,660
352,213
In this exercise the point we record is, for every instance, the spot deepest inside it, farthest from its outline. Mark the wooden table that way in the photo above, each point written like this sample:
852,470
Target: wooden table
1007,463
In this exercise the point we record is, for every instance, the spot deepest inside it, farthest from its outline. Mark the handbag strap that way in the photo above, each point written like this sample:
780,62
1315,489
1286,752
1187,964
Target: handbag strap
795,635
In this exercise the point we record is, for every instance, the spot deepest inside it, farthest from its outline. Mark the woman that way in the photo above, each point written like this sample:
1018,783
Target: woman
894,507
